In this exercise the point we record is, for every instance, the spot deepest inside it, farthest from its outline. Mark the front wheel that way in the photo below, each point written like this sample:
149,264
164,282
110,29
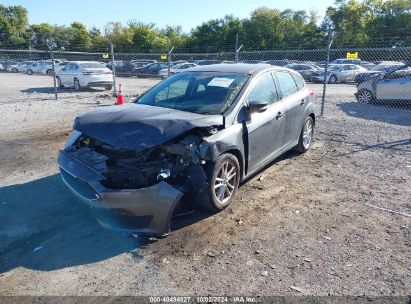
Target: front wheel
14,70
223,181
29,72
306,136
108,87
333,79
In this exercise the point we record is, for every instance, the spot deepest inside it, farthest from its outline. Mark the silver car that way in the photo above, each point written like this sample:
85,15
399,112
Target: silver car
339,73
391,86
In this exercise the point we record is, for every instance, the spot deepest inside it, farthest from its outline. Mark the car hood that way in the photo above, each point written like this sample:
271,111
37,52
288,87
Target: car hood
137,127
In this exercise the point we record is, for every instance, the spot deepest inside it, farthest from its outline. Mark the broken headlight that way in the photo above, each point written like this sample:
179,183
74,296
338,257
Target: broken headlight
74,135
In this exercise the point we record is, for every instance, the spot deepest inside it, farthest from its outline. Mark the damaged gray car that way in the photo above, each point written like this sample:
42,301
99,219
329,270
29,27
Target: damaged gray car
187,142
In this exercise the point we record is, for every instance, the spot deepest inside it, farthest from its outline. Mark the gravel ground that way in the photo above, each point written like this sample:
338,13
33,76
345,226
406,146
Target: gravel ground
306,225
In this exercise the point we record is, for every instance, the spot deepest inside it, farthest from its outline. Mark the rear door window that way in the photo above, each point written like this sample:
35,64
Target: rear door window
287,84
299,81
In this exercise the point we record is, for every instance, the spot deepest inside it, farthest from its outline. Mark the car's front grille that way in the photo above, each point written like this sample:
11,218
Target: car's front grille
80,187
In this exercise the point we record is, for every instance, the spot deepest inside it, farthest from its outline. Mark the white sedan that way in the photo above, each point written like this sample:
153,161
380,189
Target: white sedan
79,74
176,69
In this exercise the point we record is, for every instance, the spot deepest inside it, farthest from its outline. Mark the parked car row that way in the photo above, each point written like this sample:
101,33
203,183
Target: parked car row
29,67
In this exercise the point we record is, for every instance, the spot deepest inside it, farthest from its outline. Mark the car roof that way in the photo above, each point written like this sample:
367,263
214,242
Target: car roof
241,68
80,62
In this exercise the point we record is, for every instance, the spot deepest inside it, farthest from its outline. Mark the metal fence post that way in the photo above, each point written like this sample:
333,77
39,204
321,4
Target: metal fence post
169,60
51,45
329,42
237,49
113,67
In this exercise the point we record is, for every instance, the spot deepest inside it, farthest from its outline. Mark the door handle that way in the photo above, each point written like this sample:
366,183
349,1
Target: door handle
279,115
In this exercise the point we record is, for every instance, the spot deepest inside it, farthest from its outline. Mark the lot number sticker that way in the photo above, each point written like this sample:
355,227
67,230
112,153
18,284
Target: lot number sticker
220,82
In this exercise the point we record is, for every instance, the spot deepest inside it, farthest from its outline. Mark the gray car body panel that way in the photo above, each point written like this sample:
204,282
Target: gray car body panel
145,210
138,127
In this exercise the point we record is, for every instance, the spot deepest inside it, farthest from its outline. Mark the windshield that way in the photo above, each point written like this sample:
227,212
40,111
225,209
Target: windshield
198,92
334,67
93,65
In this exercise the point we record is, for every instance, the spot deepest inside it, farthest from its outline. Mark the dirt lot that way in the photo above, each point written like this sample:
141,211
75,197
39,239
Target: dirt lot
302,226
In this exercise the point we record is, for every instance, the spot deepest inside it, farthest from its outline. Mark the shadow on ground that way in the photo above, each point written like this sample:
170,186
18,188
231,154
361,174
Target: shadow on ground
42,228
388,112
50,90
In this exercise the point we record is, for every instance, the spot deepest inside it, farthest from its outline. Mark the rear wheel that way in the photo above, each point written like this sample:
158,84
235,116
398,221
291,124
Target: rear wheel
49,72
109,87
14,70
365,96
59,84
306,136
223,180
29,72
77,85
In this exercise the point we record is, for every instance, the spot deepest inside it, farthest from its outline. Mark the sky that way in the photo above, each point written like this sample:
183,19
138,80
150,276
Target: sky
186,13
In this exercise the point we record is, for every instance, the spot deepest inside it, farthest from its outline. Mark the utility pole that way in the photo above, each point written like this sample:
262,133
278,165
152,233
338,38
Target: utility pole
113,67
51,45
237,49
329,43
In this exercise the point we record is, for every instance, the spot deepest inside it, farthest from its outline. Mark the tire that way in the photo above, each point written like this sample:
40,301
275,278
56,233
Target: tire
49,72
225,174
109,88
29,72
306,136
333,79
14,70
59,84
76,84
365,96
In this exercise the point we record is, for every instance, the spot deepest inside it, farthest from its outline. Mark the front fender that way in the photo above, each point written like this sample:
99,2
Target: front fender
228,139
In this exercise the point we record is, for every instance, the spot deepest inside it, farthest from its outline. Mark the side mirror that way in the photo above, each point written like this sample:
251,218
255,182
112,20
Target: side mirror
257,106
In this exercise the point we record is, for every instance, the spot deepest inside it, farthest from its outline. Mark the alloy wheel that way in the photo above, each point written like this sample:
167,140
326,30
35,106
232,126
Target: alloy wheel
226,181
365,96
308,133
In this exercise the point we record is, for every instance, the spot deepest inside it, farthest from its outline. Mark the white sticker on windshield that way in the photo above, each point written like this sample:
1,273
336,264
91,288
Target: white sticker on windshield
220,82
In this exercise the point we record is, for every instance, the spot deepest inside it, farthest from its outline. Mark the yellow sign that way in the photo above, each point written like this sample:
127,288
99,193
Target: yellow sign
352,55
105,56
163,57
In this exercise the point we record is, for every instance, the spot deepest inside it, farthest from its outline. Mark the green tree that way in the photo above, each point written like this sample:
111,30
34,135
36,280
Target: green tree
13,23
79,39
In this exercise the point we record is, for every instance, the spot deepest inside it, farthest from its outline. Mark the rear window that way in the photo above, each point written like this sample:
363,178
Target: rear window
287,83
93,65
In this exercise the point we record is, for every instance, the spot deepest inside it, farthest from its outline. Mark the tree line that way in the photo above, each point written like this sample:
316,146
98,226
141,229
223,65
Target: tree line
352,23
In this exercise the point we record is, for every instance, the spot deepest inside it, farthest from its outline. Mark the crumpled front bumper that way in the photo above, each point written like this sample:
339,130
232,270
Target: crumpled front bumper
146,210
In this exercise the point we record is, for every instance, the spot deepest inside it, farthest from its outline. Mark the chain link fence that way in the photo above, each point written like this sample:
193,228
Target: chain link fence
370,95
